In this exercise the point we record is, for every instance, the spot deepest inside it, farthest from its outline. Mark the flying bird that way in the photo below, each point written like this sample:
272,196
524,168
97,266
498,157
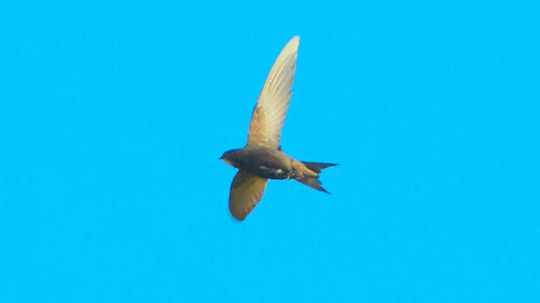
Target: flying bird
262,158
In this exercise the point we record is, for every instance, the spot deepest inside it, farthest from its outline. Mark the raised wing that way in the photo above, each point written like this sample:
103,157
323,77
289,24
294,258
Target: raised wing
271,108
246,192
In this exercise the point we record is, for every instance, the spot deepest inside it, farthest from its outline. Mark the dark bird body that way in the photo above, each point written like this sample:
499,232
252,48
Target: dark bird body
261,161
274,164
262,158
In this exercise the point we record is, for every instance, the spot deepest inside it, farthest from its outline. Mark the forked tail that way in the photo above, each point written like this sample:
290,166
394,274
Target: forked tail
318,166
313,181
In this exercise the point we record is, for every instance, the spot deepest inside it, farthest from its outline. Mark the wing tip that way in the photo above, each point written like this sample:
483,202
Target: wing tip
238,217
293,43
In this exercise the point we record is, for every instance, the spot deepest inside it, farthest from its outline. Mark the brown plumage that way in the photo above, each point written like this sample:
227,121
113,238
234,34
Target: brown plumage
262,159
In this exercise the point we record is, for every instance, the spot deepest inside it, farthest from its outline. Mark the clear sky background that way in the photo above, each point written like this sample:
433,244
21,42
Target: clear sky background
113,116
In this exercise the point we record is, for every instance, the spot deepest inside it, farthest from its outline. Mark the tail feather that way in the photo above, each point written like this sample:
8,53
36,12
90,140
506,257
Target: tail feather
318,166
313,182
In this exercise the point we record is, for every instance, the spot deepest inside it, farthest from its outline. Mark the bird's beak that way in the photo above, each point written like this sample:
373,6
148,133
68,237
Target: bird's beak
227,161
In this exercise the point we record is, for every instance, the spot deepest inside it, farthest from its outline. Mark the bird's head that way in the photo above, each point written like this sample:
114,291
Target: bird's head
230,157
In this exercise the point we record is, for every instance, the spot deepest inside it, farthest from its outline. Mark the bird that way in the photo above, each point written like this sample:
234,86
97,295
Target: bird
262,157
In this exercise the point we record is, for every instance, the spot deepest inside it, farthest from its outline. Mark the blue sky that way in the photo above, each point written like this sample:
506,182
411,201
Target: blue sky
113,117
